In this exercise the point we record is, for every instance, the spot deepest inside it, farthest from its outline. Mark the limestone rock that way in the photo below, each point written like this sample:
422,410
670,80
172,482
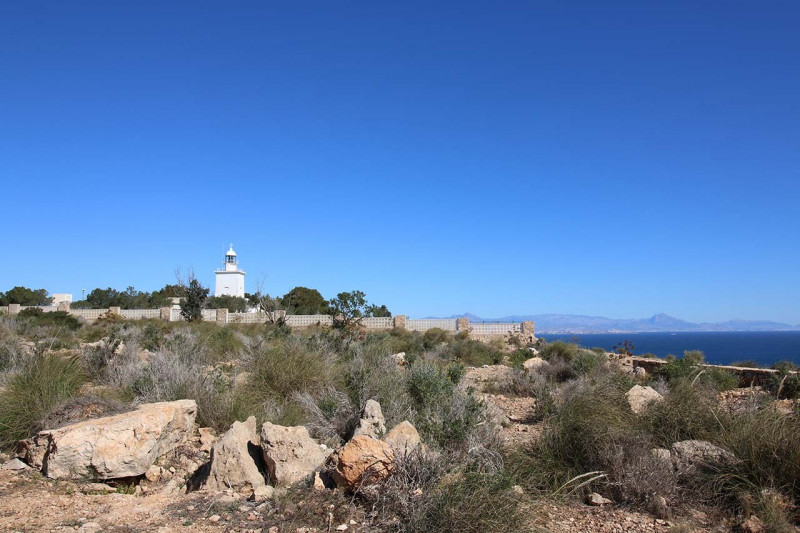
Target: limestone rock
372,423
207,439
753,525
400,358
16,465
153,474
534,363
662,456
640,397
290,453
232,462
361,462
122,445
596,499
403,438
688,455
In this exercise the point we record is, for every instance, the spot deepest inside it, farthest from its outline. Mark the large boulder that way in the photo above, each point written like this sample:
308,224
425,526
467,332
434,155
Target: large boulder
118,446
689,455
233,460
640,397
403,438
290,454
372,423
361,462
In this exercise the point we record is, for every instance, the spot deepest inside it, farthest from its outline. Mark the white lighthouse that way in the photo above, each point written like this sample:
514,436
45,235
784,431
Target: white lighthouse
230,279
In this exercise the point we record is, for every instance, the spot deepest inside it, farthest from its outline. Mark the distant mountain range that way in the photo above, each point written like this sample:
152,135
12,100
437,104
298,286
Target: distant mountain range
554,323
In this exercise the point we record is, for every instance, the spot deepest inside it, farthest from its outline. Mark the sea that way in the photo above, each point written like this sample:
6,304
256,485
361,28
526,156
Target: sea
721,348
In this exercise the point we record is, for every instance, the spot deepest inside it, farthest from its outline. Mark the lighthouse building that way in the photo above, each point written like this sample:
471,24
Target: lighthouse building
230,278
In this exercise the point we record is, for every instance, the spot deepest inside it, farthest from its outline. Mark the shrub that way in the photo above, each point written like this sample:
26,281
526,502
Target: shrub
689,411
694,357
330,416
442,414
282,368
559,350
749,363
785,384
43,382
368,372
686,368
475,353
434,337
58,319
519,356
427,384
766,445
593,437
559,370
586,361
472,503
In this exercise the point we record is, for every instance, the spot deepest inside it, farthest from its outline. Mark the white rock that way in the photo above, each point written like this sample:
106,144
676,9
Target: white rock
232,465
372,423
122,445
534,363
640,397
15,464
290,453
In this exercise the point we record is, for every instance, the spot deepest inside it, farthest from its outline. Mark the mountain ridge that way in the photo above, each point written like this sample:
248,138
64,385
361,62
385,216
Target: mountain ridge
660,322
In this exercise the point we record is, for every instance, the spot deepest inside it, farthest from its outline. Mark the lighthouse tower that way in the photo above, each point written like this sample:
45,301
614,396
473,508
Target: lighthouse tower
230,279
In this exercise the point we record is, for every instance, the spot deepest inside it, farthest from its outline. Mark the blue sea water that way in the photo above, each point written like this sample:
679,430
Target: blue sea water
720,347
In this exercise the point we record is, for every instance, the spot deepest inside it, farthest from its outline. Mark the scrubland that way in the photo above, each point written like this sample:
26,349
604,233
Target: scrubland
55,370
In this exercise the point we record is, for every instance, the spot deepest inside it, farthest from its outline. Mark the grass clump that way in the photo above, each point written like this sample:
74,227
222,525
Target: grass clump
43,382
559,350
473,503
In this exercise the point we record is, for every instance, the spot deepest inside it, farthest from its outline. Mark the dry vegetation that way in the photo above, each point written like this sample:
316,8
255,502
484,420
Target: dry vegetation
53,372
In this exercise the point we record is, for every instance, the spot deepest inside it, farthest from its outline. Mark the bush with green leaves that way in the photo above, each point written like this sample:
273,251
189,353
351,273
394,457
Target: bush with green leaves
43,382
433,337
443,414
194,301
690,410
474,353
55,319
559,350
688,368
586,361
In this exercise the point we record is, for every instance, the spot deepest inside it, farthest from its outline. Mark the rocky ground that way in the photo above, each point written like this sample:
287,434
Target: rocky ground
160,501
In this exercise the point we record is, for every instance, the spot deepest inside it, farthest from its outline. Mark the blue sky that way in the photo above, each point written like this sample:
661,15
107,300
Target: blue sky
609,158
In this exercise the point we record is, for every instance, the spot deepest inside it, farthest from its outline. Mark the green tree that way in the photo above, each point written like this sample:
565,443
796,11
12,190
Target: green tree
192,305
234,304
348,308
171,291
374,310
304,301
25,296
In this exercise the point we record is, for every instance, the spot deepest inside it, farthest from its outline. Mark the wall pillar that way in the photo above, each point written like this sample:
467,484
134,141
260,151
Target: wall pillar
64,306
462,324
222,316
528,327
400,321
279,314
13,309
165,313
114,310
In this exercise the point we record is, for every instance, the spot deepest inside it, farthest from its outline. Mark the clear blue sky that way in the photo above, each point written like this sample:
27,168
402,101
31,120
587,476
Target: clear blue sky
609,158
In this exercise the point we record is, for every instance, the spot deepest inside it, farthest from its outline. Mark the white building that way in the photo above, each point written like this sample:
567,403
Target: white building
230,279
61,298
